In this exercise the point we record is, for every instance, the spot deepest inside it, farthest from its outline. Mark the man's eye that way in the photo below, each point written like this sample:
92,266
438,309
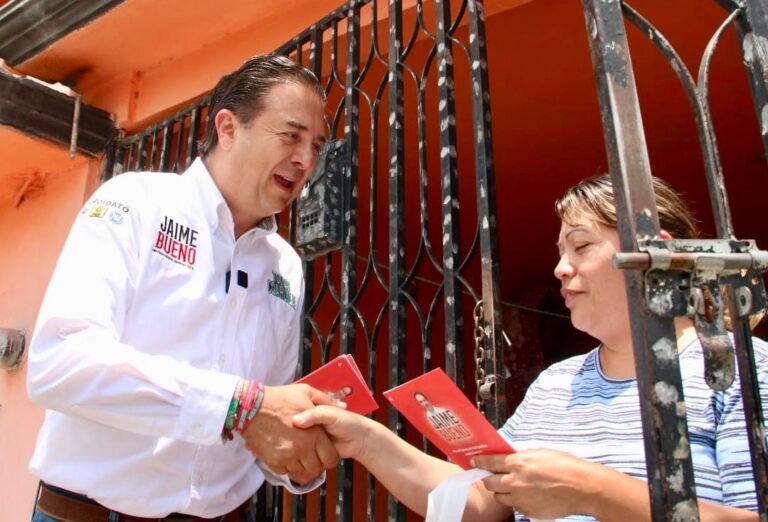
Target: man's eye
581,246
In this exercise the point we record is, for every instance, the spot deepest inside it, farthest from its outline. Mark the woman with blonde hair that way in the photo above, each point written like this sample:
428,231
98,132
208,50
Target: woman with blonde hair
578,433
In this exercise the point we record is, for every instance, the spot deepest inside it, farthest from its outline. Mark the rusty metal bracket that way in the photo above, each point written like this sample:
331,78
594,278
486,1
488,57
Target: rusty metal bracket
709,320
685,277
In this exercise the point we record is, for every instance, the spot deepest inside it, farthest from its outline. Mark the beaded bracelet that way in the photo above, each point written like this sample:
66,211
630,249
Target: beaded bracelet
250,408
234,404
246,403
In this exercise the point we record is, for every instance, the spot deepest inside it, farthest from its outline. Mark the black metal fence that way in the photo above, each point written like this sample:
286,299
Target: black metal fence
704,267
407,293
393,97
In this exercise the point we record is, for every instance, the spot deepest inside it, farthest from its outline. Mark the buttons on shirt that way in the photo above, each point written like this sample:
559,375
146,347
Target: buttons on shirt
233,302
222,358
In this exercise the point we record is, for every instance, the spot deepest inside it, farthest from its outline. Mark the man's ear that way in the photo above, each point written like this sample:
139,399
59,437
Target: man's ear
665,235
226,124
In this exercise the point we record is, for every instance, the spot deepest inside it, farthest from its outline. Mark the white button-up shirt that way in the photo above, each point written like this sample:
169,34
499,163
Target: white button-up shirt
138,346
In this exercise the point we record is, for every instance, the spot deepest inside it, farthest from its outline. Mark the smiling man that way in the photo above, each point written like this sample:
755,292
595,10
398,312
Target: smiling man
163,350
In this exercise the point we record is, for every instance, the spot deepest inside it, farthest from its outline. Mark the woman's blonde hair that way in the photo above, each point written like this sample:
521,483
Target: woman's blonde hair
593,197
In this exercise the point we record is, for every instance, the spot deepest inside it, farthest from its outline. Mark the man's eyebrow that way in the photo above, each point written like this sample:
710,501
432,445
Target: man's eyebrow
296,125
300,126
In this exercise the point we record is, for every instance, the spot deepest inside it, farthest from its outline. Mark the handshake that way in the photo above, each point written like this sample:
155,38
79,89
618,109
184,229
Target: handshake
292,437
288,446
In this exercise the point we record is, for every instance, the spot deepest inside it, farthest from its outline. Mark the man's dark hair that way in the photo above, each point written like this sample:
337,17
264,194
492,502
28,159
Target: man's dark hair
244,91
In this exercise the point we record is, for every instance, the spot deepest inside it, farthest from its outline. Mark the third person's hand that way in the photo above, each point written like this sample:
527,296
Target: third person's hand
348,431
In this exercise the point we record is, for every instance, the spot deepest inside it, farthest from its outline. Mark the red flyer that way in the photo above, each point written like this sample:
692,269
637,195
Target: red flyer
342,380
442,413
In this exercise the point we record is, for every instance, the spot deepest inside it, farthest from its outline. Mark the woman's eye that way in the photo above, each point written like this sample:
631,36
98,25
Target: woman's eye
580,247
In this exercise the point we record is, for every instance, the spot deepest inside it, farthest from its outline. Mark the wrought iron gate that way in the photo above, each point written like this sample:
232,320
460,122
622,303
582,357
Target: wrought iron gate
401,293
652,263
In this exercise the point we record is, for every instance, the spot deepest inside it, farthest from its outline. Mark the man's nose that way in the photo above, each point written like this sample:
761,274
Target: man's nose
304,158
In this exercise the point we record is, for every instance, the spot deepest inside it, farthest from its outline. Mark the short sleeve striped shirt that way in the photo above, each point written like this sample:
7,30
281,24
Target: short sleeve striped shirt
573,407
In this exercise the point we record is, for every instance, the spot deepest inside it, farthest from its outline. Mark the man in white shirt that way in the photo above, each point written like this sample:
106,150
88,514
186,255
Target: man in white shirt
171,324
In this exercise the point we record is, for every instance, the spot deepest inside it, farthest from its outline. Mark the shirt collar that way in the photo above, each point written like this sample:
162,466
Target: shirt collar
215,207
211,200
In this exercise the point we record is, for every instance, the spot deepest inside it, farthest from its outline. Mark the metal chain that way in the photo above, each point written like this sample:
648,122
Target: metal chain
479,334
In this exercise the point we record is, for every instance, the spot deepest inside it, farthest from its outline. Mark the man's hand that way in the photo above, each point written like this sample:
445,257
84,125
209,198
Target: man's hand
271,437
349,431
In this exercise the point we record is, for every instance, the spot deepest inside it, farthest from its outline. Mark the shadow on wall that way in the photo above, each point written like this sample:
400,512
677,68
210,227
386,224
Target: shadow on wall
540,334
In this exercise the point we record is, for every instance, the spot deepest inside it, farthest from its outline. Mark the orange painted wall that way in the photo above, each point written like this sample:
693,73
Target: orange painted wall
33,234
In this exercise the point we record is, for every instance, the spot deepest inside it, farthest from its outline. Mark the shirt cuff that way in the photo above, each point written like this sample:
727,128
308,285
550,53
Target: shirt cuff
283,480
207,396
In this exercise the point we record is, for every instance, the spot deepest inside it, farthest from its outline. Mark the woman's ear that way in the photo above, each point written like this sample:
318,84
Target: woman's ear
665,235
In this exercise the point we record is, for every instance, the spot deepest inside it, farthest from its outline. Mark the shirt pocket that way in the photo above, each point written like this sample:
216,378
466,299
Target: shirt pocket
268,348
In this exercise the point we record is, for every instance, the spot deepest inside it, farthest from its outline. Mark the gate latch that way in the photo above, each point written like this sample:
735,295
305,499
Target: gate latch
685,277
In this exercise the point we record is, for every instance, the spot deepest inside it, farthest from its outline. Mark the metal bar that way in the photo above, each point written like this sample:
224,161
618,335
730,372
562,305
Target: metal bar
141,154
299,502
349,251
261,502
449,185
160,147
690,261
151,138
753,407
421,118
165,151
753,32
729,5
715,182
495,407
179,146
120,164
697,96
667,450
372,267
421,128
316,53
107,169
277,503
396,510
129,157
194,131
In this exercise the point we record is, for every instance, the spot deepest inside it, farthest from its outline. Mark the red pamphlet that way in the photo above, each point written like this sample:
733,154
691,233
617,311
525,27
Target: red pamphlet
442,413
342,380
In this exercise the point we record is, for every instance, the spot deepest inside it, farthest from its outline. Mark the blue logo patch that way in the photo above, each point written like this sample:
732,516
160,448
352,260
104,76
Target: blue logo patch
116,217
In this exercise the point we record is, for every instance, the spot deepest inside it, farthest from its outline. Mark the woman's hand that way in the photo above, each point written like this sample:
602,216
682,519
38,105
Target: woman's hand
348,431
542,483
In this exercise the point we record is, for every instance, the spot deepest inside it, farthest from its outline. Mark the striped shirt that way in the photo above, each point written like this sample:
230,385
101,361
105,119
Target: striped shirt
573,407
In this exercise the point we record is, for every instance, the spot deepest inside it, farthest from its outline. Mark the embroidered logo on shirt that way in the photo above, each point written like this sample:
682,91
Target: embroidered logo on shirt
116,217
98,211
98,208
281,288
177,242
